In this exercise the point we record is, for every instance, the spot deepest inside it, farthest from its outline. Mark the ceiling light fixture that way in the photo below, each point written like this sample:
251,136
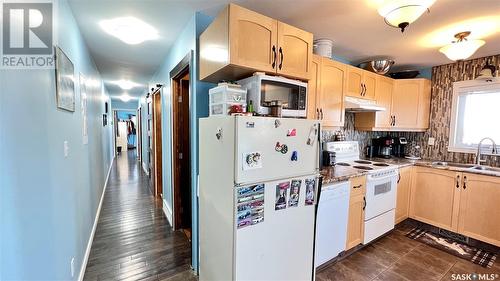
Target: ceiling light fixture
130,30
125,97
126,84
461,48
401,13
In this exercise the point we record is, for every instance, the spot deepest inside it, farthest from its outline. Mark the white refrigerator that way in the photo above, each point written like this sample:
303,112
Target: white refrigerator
258,189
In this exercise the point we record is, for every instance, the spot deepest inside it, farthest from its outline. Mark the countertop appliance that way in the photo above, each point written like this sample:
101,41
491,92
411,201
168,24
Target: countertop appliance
258,187
265,89
383,146
381,184
328,158
399,147
331,222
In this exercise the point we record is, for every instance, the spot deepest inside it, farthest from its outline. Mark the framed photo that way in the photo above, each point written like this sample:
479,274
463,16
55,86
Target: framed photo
65,85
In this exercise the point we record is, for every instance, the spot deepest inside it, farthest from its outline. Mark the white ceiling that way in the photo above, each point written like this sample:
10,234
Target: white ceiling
356,28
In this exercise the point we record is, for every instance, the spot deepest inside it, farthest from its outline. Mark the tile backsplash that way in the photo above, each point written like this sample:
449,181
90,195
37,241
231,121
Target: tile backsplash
443,77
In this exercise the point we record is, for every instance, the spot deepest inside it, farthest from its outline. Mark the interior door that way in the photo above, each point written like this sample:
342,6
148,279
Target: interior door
294,51
266,148
331,95
405,103
253,39
354,81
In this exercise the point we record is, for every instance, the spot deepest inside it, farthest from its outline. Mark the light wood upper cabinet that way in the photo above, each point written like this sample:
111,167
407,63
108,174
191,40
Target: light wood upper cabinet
356,220
480,208
411,103
294,51
252,37
435,195
360,83
403,194
326,92
313,88
407,104
354,81
369,83
331,96
240,42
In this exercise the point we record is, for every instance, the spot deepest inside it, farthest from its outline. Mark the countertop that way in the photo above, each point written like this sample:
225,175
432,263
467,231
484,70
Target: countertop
342,173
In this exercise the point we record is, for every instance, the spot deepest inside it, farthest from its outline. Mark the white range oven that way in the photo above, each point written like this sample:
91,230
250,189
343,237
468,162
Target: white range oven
380,203
381,184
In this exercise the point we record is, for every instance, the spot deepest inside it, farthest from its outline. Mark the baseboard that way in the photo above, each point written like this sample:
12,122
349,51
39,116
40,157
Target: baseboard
167,212
91,238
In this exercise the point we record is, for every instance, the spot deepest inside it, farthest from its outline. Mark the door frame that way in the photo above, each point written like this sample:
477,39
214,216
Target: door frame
139,134
157,161
178,70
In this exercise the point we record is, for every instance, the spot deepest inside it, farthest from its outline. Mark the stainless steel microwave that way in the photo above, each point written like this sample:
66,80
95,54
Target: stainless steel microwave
265,89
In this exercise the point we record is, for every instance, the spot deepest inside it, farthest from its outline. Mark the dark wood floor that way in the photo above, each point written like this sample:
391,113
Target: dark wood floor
133,239
396,257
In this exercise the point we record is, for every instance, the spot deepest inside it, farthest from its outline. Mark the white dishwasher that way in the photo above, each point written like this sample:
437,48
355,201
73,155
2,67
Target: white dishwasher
331,222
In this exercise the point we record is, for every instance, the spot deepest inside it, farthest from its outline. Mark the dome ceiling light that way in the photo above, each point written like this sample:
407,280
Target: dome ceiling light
461,48
401,13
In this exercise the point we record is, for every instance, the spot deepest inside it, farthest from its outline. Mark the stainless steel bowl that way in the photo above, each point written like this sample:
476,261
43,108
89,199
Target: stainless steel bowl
380,66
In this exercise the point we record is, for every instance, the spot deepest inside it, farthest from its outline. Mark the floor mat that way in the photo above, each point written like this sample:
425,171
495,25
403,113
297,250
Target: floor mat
473,254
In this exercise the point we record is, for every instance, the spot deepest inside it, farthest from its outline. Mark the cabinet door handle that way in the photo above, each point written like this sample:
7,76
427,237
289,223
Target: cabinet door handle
364,203
364,89
361,85
394,120
274,57
281,58
458,181
321,112
399,176
357,186
465,182
317,113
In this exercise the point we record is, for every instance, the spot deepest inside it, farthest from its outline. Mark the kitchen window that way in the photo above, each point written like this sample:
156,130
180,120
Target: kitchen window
475,115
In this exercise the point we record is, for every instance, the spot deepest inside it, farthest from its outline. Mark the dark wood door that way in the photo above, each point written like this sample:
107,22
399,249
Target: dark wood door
182,155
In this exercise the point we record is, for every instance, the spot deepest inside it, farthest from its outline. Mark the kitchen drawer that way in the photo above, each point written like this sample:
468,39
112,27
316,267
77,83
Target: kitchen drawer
358,186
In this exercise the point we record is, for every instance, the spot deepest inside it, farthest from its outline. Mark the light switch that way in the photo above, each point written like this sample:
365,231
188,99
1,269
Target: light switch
66,149
431,141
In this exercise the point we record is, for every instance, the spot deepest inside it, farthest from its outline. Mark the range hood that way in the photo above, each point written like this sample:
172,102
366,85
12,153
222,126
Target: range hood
361,105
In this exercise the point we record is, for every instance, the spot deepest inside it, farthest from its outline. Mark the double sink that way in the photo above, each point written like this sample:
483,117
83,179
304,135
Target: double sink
466,167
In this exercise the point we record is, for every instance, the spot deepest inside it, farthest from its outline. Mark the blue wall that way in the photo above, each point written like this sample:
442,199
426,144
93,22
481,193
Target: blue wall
186,42
119,104
49,202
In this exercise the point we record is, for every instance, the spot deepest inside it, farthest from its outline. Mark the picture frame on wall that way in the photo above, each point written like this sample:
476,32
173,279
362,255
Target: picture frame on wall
65,81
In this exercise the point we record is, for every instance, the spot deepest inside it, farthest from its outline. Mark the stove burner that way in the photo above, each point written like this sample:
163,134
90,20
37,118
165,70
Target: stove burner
362,162
363,167
343,164
381,164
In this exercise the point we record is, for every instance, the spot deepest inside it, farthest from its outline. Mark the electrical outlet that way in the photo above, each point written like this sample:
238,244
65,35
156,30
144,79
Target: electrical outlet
72,267
431,141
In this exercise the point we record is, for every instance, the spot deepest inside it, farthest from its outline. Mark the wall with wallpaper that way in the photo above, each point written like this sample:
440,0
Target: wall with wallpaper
443,77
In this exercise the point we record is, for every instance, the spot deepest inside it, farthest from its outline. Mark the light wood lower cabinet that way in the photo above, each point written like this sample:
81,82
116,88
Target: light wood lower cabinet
435,197
403,194
356,221
465,203
479,215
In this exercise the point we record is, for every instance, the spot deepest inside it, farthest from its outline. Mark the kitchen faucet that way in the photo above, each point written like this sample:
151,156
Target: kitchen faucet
478,154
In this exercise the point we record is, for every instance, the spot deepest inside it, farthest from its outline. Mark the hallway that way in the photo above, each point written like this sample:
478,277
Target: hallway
133,239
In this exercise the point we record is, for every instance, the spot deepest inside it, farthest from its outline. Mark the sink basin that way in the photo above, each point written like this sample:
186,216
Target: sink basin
486,168
456,165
